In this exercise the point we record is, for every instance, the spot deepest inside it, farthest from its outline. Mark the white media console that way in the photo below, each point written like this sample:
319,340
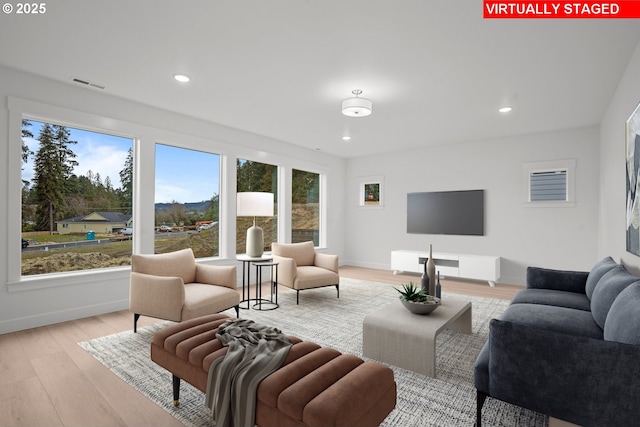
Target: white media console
479,267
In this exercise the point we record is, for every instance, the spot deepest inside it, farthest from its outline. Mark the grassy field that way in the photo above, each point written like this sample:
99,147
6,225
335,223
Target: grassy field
112,253
116,251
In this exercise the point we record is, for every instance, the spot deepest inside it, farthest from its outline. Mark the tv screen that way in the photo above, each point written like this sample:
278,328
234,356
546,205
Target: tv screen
446,212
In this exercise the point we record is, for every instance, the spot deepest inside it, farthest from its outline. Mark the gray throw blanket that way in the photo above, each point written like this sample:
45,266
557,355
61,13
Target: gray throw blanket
255,351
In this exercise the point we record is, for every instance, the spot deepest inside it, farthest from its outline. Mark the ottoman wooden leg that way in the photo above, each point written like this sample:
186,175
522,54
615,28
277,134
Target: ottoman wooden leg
176,391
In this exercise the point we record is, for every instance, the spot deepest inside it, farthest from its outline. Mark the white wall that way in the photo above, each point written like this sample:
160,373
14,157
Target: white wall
560,237
612,224
84,294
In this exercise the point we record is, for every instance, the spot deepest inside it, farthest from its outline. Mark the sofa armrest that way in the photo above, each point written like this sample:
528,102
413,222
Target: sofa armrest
559,280
156,296
582,380
287,270
221,275
326,261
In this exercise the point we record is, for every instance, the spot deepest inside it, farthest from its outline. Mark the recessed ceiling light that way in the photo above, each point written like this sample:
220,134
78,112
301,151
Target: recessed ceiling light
505,109
181,78
346,137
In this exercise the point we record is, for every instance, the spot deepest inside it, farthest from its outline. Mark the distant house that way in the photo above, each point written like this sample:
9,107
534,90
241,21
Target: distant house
99,222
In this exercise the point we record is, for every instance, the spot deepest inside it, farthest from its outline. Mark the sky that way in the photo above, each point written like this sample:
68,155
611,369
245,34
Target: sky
182,175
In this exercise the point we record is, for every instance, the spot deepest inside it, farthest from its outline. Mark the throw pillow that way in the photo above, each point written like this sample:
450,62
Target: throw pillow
623,320
598,270
608,288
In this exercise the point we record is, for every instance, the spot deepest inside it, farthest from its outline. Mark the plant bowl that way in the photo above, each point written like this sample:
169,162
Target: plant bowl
420,307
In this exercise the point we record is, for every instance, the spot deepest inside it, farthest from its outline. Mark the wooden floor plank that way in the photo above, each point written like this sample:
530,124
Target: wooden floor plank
26,404
14,363
133,407
72,394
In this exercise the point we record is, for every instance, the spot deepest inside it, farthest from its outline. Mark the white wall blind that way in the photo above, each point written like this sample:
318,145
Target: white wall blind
548,186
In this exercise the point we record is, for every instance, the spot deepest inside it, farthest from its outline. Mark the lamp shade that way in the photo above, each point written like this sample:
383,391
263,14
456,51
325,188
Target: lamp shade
254,204
357,107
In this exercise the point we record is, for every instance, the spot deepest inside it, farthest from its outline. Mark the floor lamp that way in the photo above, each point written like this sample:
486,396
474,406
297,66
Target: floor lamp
255,204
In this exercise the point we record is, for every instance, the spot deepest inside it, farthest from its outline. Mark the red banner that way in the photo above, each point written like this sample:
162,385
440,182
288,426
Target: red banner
624,9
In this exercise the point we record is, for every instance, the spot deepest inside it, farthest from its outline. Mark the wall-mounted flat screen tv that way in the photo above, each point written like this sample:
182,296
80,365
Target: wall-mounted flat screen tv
446,212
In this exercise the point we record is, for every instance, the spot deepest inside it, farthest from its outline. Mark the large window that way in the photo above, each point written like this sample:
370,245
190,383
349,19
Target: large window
76,199
187,200
258,177
305,207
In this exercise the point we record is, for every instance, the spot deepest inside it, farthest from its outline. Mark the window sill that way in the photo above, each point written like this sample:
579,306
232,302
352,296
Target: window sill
71,278
549,204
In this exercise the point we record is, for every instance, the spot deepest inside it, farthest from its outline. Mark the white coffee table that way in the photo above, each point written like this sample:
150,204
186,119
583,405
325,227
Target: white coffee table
393,335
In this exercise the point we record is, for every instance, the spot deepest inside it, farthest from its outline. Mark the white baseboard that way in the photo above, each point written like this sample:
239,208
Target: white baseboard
43,319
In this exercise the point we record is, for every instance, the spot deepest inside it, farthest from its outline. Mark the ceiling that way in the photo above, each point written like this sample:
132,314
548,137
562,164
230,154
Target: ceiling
436,71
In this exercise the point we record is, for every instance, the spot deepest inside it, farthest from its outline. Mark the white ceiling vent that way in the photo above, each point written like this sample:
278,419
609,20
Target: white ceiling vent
88,83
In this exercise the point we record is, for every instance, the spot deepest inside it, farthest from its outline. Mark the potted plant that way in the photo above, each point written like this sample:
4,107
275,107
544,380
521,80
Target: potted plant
416,300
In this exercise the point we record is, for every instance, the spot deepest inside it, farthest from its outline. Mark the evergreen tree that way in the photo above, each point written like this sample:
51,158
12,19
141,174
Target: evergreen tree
27,211
126,180
26,133
54,163
256,176
304,187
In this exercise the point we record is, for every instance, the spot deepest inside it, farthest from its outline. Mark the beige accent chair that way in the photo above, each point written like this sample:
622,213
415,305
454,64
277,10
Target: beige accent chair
301,267
173,286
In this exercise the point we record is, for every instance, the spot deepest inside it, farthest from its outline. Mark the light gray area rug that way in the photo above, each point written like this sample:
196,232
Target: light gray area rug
447,400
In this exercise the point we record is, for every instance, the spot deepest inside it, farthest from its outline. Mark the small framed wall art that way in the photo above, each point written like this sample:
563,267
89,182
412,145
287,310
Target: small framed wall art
371,194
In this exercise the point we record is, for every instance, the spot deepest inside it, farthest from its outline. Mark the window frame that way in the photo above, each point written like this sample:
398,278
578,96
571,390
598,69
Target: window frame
31,110
221,159
568,166
278,193
321,203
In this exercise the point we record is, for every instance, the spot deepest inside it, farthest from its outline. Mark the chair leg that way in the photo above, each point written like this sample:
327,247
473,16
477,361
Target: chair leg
136,316
176,391
237,307
338,289
297,296
480,398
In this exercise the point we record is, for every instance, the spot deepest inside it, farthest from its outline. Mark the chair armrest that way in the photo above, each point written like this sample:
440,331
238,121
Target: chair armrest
221,275
287,270
326,261
156,296
559,280
583,380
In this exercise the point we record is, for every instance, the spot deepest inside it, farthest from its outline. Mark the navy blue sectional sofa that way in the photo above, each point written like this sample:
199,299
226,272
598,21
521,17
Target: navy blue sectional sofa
568,346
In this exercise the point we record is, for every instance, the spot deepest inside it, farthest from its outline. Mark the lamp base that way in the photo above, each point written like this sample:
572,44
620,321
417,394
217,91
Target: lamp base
255,241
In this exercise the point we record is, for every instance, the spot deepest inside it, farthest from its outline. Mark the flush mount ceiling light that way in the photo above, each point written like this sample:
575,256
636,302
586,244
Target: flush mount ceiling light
356,106
346,138
181,78
505,109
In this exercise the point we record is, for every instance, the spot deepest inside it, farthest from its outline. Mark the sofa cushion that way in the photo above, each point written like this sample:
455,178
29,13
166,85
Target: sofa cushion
559,280
623,320
609,286
302,253
556,319
313,277
601,268
552,297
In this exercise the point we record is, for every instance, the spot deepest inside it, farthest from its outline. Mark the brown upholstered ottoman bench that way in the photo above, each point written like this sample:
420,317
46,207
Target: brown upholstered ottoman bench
315,387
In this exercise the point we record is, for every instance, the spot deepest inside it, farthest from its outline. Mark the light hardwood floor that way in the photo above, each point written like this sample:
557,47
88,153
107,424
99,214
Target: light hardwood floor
46,379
